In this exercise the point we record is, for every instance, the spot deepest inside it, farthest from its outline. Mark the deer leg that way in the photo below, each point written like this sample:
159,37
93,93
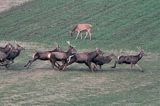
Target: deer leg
54,64
30,62
69,62
100,66
139,67
77,35
89,65
90,35
6,64
86,35
94,66
114,65
81,35
131,66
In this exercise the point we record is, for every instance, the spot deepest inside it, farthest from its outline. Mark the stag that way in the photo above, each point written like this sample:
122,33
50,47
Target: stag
43,55
130,59
85,57
82,28
62,56
101,59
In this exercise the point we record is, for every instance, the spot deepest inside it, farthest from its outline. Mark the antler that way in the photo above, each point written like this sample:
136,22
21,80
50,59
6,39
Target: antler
69,43
139,48
56,44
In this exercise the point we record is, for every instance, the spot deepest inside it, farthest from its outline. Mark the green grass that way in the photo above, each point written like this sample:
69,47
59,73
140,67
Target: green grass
117,24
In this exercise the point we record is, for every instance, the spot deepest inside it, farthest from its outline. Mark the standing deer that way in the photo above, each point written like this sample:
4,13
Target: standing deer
42,55
85,57
82,28
130,59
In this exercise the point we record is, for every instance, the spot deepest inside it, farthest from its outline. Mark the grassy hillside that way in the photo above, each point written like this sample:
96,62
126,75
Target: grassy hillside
116,23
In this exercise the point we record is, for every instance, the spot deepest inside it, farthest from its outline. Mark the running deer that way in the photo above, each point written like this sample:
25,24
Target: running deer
84,57
62,56
15,52
79,28
43,55
130,59
101,60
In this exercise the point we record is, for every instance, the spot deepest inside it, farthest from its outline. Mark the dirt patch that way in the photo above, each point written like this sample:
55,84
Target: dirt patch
7,4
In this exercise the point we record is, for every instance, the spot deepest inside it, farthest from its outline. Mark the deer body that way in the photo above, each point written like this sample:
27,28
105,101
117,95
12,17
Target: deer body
42,55
85,57
79,28
61,56
130,59
100,60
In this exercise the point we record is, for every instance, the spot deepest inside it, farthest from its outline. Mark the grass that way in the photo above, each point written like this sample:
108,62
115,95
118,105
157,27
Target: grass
117,24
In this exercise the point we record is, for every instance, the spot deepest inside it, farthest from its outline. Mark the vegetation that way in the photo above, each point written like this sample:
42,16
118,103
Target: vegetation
117,24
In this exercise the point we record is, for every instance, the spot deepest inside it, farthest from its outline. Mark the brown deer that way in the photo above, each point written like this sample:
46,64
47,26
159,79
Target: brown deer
82,28
43,55
61,56
130,59
101,59
84,57
15,52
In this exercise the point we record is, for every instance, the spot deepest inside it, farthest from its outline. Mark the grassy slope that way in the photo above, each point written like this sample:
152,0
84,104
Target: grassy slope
117,24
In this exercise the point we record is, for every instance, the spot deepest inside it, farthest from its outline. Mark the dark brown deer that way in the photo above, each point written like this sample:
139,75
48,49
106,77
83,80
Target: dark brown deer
43,55
62,56
85,57
130,59
15,52
101,59
3,59
82,28
7,48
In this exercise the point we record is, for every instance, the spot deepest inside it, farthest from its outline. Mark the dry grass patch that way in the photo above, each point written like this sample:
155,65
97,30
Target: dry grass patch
8,4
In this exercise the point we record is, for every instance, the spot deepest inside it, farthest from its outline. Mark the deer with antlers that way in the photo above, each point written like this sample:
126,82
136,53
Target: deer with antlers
62,56
84,57
130,59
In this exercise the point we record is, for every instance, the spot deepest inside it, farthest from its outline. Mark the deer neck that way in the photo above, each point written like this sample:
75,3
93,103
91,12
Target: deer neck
140,56
93,54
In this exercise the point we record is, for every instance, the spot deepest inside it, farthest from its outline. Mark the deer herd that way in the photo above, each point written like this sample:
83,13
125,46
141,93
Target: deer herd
60,59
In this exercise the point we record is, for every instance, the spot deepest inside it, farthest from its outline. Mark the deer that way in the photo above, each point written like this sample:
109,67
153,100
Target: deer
14,52
3,59
84,57
82,28
7,48
101,60
43,55
130,59
62,56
